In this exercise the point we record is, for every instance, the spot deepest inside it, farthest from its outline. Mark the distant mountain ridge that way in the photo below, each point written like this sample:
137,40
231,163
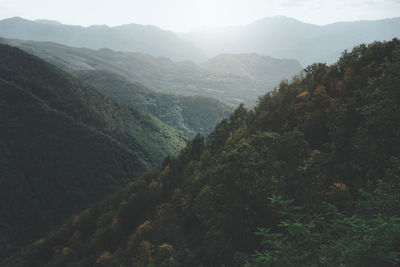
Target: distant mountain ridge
130,37
259,69
278,37
284,37
219,77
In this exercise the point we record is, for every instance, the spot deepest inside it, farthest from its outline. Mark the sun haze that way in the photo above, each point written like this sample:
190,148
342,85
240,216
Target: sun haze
185,15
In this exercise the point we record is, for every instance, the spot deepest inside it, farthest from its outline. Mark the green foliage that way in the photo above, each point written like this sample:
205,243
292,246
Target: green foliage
64,146
314,166
367,238
190,114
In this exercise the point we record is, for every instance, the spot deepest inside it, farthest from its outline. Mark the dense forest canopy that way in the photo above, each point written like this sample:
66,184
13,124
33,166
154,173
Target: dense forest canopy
64,146
189,114
310,176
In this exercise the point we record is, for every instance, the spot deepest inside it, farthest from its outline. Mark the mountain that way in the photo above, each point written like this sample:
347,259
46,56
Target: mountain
309,177
189,114
64,146
261,70
229,78
278,37
283,37
130,37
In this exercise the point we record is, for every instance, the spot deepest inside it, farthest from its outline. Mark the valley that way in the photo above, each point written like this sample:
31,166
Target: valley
270,143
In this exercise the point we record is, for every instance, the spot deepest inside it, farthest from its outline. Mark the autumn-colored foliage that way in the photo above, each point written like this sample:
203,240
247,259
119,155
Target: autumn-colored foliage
313,170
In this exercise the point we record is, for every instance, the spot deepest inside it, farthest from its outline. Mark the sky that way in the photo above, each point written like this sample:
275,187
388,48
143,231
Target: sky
185,15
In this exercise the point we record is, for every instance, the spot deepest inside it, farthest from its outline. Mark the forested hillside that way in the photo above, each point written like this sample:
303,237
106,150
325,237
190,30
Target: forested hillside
64,145
230,78
309,177
189,114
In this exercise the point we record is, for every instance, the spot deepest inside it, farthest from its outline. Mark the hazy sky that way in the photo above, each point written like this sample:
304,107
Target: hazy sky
184,15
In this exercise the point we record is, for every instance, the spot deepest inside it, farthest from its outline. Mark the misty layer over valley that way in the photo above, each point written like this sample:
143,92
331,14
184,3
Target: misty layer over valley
235,64
284,37
225,77
271,143
278,37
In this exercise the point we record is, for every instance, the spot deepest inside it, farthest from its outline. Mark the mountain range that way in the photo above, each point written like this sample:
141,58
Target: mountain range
120,146
229,78
277,37
284,37
308,177
131,37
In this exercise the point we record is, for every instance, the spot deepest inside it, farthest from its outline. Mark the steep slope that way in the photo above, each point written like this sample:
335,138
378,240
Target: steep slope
314,168
190,114
283,37
131,37
178,78
64,146
261,70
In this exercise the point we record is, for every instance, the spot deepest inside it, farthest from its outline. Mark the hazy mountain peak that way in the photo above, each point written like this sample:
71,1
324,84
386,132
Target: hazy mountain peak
284,37
281,21
16,19
393,20
127,38
102,26
281,18
46,21
135,25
